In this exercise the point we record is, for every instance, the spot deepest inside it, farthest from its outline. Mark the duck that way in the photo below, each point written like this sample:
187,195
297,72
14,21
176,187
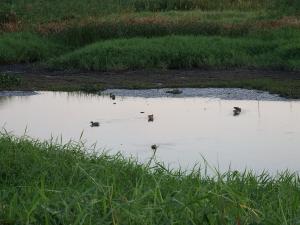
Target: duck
174,92
236,111
95,124
112,96
150,118
154,147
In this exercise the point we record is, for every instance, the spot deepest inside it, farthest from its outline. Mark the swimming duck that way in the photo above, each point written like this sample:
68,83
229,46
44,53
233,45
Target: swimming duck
174,92
112,96
95,124
154,147
236,111
150,118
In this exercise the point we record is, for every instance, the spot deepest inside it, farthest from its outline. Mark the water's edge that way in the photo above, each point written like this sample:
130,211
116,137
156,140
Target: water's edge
221,93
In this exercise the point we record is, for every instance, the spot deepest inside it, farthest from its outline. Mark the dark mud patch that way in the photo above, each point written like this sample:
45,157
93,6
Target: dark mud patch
284,83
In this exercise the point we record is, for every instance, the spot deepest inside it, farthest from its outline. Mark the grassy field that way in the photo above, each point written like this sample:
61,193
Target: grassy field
280,50
43,10
277,49
43,30
50,183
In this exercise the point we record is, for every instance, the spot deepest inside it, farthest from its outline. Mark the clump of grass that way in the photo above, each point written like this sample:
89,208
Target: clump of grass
51,183
81,32
177,52
8,80
26,47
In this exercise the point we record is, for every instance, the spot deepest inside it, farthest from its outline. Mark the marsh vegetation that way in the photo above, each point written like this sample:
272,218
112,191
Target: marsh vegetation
9,81
37,31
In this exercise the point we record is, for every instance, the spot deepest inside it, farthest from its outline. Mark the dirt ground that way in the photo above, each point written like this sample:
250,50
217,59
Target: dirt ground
281,82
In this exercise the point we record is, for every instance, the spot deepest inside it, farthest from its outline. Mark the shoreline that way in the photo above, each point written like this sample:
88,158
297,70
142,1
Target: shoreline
284,83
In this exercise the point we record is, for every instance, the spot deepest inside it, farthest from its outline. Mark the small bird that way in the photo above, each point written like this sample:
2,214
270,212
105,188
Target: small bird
174,92
154,147
95,124
112,96
236,111
150,118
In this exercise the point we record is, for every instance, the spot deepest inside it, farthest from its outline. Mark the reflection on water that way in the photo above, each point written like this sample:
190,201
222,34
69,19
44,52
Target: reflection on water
6,99
266,135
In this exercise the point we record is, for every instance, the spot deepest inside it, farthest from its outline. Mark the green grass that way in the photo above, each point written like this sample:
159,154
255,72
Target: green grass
35,31
34,11
9,81
277,51
44,11
78,33
26,47
49,183
263,49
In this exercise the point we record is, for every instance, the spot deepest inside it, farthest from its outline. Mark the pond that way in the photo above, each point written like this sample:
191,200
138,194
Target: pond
265,136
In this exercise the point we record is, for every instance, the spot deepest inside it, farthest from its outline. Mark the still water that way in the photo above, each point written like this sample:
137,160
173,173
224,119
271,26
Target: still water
266,135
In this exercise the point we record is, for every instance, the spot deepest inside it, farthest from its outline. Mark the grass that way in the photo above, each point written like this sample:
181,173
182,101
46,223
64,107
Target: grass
35,31
25,48
45,11
279,51
78,33
50,183
33,11
54,40
9,81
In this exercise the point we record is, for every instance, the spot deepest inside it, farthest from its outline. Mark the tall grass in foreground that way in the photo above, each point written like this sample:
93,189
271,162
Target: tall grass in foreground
50,183
274,51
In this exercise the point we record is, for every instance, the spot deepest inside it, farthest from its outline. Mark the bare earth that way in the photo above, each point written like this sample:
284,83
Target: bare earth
42,79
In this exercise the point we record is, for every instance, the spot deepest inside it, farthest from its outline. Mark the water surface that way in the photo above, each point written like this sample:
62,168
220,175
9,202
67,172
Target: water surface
266,135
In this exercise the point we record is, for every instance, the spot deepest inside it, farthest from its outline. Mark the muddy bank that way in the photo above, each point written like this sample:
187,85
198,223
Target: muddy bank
284,83
220,93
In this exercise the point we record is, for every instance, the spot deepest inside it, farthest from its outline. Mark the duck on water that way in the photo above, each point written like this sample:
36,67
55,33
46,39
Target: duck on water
236,111
94,124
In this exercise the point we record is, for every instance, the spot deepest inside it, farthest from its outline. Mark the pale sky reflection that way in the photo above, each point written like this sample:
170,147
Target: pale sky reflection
265,136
